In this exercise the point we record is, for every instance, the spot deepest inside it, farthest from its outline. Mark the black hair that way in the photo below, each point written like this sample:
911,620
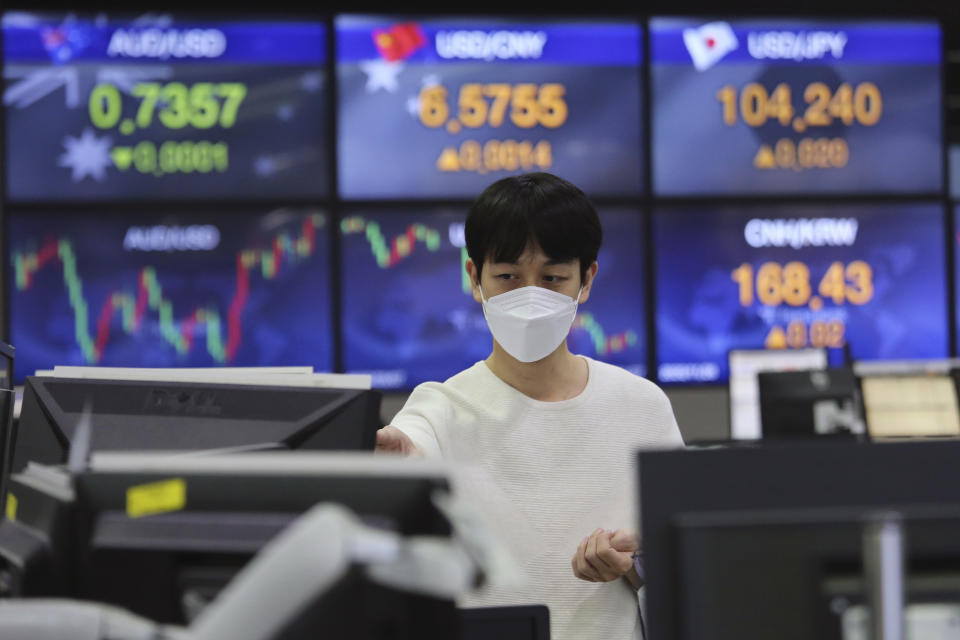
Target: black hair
537,209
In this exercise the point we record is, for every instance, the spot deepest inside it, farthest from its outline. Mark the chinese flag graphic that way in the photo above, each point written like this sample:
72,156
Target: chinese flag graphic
400,41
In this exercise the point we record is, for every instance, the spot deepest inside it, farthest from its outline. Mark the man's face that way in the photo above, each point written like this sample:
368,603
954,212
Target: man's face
532,268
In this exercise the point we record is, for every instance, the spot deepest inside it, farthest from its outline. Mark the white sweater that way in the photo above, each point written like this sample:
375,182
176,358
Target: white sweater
544,475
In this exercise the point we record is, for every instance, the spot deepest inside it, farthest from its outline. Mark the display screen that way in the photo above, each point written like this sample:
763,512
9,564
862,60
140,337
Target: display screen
795,107
955,171
442,108
170,290
910,406
956,264
744,365
408,311
157,107
873,277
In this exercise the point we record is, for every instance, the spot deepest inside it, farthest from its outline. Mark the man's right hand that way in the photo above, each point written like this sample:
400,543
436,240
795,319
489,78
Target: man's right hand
392,440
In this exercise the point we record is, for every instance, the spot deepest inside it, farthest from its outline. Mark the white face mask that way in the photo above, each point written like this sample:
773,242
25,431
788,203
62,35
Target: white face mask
530,322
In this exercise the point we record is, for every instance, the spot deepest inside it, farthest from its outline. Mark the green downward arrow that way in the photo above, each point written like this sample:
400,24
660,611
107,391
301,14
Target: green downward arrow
122,157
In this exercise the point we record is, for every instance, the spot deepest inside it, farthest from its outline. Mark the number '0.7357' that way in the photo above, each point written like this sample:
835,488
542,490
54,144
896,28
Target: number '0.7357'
175,104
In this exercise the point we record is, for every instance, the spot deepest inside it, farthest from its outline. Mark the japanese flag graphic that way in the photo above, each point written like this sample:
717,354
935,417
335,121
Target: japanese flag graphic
709,43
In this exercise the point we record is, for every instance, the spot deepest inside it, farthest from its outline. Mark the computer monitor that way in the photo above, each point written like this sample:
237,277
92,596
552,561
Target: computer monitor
520,622
7,401
150,415
161,534
766,483
910,405
744,390
801,573
7,352
802,404
911,366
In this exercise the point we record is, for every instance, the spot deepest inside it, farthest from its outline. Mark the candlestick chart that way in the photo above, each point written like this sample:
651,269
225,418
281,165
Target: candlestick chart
243,289
408,310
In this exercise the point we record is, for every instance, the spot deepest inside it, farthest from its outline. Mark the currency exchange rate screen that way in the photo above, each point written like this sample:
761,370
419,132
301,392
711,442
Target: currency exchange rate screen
442,108
102,108
409,315
873,277
197,290
795,107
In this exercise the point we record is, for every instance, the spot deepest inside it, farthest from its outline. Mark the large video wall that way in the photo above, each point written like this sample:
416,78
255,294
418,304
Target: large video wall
182,191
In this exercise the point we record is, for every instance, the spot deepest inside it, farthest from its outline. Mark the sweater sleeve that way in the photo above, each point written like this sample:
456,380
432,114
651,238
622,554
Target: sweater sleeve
672,432
660,428
422,417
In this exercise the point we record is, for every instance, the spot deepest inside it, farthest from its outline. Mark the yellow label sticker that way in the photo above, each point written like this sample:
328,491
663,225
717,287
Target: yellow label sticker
157,497
11,506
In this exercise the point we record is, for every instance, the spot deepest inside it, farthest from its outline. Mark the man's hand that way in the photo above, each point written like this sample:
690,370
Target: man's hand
605,556
625,540
392,440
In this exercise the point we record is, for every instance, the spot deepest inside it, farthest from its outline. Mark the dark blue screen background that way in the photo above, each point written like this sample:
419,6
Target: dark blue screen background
414,321
386,152
695,153
284,319
700,317
278,145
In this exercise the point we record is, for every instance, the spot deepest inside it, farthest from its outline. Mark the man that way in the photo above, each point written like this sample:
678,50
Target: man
553,434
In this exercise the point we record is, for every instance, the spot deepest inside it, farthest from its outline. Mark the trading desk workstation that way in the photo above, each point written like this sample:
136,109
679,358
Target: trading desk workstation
109,525
271,520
